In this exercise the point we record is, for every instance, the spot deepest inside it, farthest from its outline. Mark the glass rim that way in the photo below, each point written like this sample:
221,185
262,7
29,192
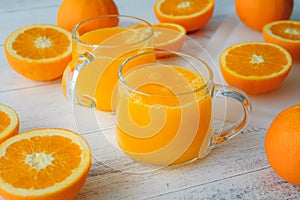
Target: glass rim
95,46
208,83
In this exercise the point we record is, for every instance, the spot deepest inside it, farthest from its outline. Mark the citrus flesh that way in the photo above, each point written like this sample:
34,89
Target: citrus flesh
168,36
39,51
43,164
285,33
191,14
255,67
9,122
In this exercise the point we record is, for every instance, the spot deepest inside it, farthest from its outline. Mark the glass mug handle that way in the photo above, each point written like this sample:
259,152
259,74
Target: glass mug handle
231,130
70,77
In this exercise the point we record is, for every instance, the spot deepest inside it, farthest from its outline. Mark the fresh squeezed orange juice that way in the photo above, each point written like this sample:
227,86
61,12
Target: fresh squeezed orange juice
162,116
110,46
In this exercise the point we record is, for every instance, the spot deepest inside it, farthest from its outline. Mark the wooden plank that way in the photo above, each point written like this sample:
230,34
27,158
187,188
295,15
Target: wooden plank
258,184
11,80
19,5
112,178
19,18
46,106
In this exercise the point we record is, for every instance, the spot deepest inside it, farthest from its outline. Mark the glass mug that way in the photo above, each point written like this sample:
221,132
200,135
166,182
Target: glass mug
100,44
164,109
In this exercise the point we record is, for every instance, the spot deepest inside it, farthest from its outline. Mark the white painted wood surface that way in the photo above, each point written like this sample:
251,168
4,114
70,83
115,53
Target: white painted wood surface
237,169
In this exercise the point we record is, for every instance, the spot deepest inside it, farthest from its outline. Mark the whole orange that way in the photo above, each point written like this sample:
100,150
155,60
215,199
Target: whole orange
256,13
71,12
282,144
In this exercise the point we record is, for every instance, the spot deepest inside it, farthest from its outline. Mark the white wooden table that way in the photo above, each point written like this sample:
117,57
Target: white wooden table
237,169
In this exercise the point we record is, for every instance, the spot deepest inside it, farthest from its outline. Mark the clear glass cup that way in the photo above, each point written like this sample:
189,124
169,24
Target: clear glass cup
164,110
100,45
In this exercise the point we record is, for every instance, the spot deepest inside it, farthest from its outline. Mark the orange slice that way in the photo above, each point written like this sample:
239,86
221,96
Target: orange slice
285,33
191,14
255,67
43,164
9,122
39,51
168,36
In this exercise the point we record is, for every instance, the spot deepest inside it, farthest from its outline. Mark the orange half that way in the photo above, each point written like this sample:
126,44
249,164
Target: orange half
43,164
9,122
39,51
285,33
255,67
191,14
168,36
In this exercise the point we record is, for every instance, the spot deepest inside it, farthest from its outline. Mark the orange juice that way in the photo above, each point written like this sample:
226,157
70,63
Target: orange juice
110,47
163,117
94,38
